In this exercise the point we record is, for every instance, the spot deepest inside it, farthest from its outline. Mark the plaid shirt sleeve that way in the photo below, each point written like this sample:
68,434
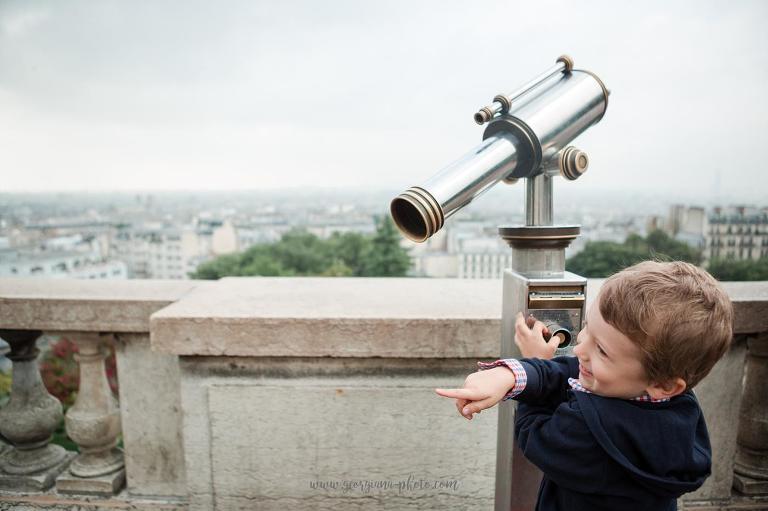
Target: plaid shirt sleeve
521,379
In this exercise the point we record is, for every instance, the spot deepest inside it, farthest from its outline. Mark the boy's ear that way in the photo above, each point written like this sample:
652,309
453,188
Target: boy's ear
666,390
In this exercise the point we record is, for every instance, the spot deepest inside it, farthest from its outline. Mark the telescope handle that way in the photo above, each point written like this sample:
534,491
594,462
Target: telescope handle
503,102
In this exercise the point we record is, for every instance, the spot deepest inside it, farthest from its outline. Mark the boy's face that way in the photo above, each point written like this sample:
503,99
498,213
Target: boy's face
609,363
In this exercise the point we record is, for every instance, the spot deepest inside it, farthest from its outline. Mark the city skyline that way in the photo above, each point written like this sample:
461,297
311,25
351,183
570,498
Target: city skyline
98,96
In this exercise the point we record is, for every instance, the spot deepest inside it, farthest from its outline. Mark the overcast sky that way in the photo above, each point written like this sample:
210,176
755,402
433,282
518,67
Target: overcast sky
182,95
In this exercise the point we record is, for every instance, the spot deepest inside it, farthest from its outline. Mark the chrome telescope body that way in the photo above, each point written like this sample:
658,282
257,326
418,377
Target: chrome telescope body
527,136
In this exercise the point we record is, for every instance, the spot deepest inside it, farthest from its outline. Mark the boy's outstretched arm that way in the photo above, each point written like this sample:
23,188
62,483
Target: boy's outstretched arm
487,387
481,390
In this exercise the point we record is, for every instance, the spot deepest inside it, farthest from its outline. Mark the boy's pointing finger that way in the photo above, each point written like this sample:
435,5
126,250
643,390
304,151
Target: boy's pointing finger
458,393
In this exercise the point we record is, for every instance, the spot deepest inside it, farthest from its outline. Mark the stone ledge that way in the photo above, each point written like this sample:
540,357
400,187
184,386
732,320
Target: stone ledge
736,503
264,316
86,305
54,502
347,317
359,317
750,306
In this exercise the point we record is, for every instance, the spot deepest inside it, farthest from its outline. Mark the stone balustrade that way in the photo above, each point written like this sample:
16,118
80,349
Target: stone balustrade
93,314
300,393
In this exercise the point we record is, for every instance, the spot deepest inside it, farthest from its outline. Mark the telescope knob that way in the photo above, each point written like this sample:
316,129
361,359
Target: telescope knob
573,163
567,61
570,163
556,330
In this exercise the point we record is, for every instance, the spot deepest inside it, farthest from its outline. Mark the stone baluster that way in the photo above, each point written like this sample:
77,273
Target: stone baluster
93,423
28,421
751,465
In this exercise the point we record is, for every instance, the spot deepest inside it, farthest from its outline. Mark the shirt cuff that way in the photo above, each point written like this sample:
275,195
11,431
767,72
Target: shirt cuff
521,378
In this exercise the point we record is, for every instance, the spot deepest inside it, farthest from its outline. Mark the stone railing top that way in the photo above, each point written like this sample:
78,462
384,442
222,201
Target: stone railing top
254,316
359,317
86,305
352,317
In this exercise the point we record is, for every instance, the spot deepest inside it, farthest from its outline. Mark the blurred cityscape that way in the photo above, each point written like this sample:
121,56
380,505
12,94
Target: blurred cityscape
166,235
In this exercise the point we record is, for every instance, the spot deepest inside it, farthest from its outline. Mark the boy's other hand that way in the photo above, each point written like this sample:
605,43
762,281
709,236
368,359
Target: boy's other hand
482,390
531,337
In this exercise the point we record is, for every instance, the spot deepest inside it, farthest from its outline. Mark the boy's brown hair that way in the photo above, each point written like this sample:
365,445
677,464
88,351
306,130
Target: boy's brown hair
676,313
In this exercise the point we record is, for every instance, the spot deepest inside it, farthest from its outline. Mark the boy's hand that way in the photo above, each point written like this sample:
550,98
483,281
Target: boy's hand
482,390
531,337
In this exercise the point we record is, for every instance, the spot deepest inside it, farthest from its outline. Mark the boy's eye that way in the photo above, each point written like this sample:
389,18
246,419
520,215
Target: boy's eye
601,350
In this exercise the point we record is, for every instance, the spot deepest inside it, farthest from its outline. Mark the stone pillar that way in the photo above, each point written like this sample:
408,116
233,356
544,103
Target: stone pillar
28,421
93,423
150,413
751,465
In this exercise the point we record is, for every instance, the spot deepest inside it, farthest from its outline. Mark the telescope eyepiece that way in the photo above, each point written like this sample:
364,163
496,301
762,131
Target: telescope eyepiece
483,115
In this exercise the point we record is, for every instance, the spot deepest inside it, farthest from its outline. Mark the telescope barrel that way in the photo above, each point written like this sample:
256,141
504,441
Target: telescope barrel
420,211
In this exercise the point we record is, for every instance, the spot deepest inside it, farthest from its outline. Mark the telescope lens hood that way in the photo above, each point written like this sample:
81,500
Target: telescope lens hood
417,214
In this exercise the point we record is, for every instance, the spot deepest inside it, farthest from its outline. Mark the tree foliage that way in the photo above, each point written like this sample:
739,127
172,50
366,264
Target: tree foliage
386,256
301,253
729,270
604,258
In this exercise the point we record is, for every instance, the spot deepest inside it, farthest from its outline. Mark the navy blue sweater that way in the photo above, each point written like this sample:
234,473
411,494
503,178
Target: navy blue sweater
600,453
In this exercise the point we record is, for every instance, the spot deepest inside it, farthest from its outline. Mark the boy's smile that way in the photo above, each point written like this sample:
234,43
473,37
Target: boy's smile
583,370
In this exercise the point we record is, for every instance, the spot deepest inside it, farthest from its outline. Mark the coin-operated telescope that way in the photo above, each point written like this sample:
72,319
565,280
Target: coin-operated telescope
527,137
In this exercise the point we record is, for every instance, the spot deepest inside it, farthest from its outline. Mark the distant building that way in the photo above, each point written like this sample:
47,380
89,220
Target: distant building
161,252
260,230
737,233
436,265
165,252
169,250
484,265
656,223
687,224
465,250
676,219
695,221
59,264
224,239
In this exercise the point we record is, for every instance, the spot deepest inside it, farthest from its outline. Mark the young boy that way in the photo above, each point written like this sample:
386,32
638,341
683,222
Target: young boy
616,427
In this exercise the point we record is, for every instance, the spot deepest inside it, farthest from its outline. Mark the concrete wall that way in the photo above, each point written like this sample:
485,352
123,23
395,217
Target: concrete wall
265,429
300,434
